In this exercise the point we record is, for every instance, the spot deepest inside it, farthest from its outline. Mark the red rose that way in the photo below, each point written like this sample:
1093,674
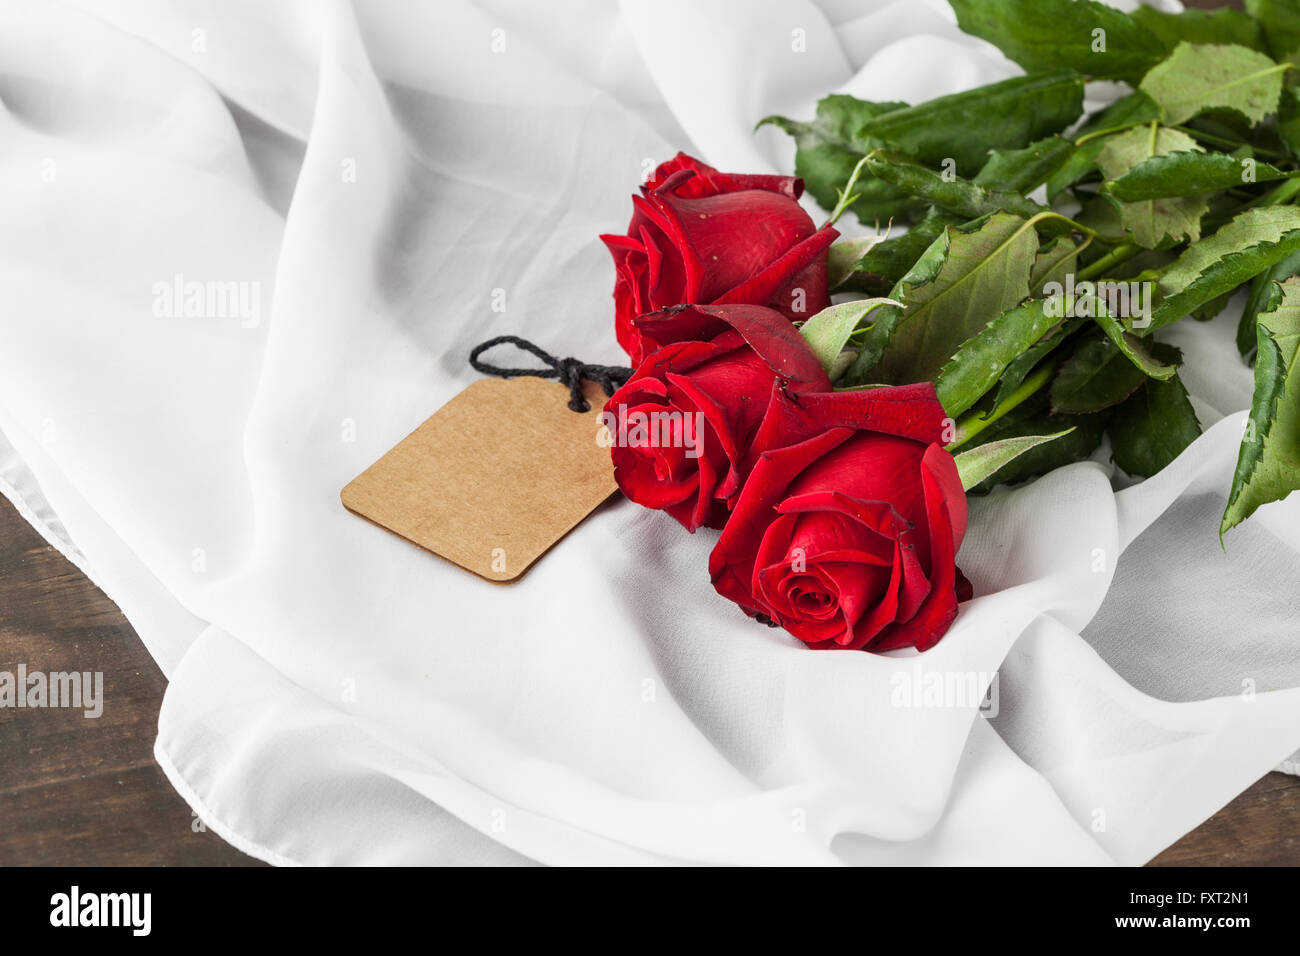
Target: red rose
703,237
683,423
707,181
847,528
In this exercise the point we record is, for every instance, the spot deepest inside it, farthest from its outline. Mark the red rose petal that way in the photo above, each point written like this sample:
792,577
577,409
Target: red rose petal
731,563
764,285
905,411
939,609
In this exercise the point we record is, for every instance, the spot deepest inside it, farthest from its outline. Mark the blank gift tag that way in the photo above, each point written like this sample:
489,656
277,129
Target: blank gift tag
494,478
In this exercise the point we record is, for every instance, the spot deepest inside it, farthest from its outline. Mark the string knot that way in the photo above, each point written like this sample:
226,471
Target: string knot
569,371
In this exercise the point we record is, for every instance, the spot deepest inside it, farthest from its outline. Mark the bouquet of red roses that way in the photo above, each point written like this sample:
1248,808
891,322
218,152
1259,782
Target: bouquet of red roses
1008,331
841,511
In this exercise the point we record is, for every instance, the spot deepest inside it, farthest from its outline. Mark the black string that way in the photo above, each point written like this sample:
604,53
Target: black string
570,371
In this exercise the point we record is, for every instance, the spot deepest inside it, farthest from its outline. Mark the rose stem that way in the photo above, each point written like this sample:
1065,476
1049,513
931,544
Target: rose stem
972,424
847,196
1226,143
1277,196
1121,253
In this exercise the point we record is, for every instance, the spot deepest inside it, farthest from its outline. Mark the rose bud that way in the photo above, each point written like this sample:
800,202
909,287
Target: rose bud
847,529
705,237
682,425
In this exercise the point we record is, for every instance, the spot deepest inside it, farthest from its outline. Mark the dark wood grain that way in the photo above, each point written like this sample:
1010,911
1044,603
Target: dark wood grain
1259,828
78,791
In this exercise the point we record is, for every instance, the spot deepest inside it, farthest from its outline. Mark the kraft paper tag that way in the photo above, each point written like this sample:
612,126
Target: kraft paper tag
494,478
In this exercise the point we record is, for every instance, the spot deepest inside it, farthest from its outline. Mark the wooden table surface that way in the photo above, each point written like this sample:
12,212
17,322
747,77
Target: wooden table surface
75,791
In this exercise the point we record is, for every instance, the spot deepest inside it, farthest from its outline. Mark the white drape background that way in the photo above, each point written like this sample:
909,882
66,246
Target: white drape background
375,171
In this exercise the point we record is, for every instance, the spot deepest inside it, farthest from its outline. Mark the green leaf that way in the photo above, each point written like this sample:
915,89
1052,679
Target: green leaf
1096,376
1203,313
1021,170
1202,26
1265,293
879,270
981,359
1288,121
1281,22
1152,222
983,461
1053,263
829,330
1103,301
1044,34
1130,149
1081,163
1131,346
844,256
1187,173
970,273
963,127
1230,132
1134,109
1268,464
1082,434
1154,425
927,265
828,149
1020,368
1243,248
951,192
1101,214
1199,77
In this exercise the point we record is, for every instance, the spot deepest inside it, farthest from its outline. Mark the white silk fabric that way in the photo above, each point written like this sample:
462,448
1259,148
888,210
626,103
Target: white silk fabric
382,185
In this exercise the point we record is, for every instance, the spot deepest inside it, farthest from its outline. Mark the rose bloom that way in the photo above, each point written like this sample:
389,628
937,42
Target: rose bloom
703,237
683,424
847,528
